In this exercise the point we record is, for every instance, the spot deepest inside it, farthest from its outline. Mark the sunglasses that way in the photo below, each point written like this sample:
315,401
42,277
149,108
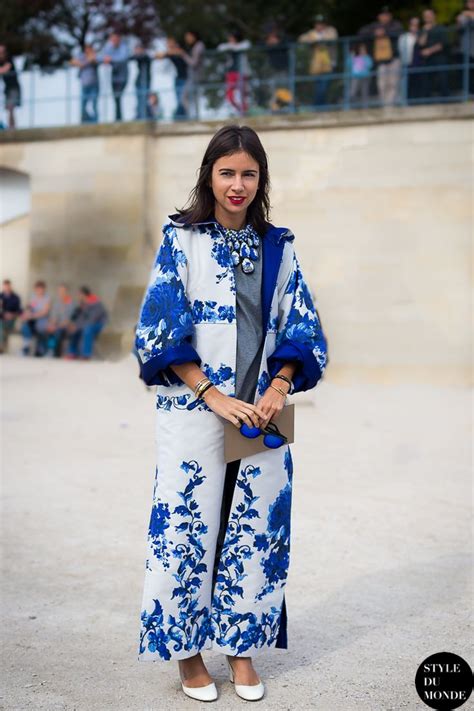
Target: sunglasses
272,437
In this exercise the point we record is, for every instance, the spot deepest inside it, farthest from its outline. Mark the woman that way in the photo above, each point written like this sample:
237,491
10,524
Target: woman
175,55
410,55
227,326
194,58
237,70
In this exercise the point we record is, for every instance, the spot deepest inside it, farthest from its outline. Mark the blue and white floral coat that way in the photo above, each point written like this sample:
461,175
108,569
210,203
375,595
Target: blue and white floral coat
189,314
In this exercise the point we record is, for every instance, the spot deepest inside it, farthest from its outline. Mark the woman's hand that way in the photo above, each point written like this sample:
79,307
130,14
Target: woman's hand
272,402
230,408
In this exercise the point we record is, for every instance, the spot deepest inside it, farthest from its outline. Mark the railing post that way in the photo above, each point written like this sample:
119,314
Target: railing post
465,66
404,84
292,76
32,97
346,74
241,83
68,95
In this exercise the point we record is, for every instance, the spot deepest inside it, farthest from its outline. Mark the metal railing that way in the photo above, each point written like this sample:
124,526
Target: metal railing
261,80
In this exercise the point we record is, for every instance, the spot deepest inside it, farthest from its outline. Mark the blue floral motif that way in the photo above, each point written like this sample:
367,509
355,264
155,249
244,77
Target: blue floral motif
263,382
220,252
206,311
273,324
169,254
165,316
302,324
191,627
275,543
240,630
166,402
153,632
159,522
220,376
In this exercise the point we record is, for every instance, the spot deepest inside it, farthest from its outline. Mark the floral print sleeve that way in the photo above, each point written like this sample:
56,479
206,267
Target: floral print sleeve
300,337
165,326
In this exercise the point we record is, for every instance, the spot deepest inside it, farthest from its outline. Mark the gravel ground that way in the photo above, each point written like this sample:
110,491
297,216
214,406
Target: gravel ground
380,569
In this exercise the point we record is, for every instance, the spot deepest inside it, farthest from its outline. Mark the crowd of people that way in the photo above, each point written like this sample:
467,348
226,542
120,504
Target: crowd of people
373,63
61,327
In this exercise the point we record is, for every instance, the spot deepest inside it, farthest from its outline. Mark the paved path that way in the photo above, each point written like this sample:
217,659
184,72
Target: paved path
379,572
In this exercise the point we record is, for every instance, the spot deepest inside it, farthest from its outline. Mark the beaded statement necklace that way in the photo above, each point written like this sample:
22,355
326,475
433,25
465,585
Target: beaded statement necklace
244,245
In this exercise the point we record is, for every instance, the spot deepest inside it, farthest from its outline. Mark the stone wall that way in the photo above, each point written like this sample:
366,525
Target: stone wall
380,203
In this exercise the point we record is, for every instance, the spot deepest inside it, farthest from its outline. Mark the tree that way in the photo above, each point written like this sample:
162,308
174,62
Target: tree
49,30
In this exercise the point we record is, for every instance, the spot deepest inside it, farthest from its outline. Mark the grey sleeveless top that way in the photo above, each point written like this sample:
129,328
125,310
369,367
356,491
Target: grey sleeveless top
249,330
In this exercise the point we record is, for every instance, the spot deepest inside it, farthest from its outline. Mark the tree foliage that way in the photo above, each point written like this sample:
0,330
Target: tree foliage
48,30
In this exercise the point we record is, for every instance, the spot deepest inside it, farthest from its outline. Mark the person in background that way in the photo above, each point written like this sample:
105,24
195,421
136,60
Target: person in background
143,81
11,85
10,309
86,323
35,320
175,54
153,108
360,65
237,70
194,57
115,53
410,57
383,34
323,39
465,53
276,49
89,78
433,41
59,319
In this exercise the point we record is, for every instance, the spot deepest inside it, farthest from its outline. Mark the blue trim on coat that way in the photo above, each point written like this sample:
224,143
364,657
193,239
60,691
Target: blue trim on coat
153,372
307,374
272,254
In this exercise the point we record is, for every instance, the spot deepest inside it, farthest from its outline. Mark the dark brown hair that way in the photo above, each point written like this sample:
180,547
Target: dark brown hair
228,140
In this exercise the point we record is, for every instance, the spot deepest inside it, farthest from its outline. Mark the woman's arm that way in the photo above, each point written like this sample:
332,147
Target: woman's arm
230,408
194,58
165,326
300,338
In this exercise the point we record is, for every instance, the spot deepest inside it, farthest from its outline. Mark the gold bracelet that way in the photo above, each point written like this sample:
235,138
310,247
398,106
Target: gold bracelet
206,390
200,386
200,383
279,390
203,388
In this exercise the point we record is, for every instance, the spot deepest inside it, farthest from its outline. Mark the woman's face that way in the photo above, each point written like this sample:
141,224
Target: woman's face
234,182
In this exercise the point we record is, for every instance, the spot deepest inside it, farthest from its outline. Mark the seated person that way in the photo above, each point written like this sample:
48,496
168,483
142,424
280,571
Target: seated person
59,319
87,322
35,320
10,309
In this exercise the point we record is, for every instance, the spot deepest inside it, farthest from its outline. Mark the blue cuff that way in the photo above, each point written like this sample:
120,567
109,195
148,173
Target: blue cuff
153,372
307,373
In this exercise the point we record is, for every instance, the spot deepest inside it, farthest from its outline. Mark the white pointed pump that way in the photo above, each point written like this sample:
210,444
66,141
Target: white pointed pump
201,693
249,693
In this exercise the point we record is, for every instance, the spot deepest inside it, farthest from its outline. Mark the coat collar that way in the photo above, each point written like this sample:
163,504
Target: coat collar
274,234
